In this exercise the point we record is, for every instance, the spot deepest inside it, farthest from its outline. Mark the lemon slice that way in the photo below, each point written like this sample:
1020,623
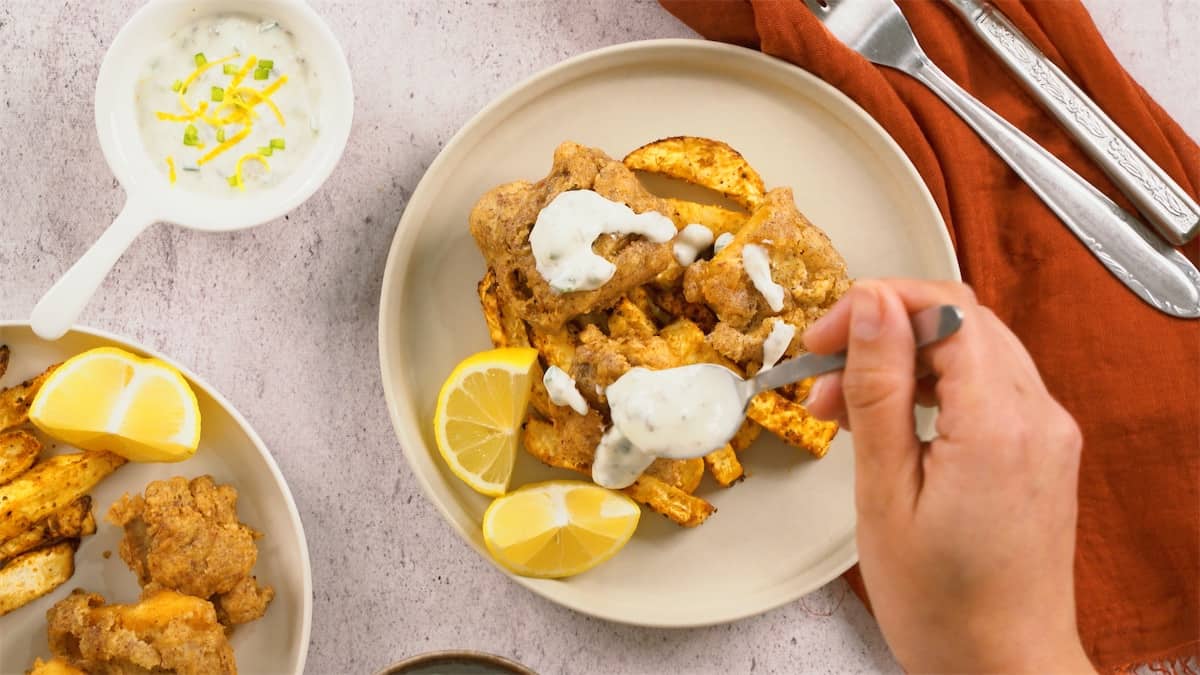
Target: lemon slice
109,399
479,411
558,528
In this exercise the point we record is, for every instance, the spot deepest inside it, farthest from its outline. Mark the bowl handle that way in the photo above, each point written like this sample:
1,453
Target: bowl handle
62,304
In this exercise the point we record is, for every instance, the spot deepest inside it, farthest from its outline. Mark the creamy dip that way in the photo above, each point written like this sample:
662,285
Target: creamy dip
758,266
228,104
691,242
776,344
722,241
565,231
563,391
677,413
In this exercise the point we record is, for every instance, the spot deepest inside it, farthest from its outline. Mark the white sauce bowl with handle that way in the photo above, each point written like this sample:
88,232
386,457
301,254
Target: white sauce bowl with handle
150,196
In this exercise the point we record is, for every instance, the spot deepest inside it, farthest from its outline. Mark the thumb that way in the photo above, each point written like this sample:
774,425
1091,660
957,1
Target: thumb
879,387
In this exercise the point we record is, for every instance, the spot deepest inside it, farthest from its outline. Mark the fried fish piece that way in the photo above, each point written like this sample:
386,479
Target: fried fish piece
702,161
15,401
31,575
185,536
18,451
73,521
167,632
54,666
503,218
50,485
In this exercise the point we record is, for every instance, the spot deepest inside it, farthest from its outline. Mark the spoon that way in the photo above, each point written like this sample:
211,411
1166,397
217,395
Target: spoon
720,397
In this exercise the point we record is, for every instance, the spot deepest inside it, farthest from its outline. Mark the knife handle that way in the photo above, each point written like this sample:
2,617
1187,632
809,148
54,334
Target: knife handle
1172,211
1147,265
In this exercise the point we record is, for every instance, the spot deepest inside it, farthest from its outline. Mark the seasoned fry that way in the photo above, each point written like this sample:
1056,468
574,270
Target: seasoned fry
4,353
715,218
702,161
681,474
73,521
629,320
49,486
556,347
18,451
685,509
15,401
35,574
791,422
745,436
724,465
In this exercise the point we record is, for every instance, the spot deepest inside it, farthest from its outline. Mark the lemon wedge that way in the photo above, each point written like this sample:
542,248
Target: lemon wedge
109,399
558,528
479,413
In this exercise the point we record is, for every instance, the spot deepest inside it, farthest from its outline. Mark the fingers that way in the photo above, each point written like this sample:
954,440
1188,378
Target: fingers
878,386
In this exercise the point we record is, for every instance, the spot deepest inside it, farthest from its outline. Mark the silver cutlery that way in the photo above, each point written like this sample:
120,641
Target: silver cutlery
1169,209
1147,265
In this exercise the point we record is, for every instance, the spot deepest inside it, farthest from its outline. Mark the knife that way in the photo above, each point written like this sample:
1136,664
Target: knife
1172,211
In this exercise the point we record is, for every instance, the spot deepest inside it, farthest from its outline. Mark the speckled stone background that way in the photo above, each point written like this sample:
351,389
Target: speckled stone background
281,319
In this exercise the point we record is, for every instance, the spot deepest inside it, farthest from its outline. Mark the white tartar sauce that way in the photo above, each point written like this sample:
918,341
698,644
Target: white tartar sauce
776,344
758,265
722,241
618,463
228,103
563,391
690,242
566,229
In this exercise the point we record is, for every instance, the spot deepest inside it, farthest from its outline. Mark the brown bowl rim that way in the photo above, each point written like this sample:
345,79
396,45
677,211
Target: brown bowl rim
466,655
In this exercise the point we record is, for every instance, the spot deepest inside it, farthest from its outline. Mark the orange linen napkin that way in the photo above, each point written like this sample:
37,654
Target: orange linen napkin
1128,373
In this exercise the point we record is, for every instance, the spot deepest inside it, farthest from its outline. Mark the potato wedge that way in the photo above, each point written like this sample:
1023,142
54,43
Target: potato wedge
74,521
724,466
791,422
18,451
35,574
685,509
718,219
702,161
15,401
49,486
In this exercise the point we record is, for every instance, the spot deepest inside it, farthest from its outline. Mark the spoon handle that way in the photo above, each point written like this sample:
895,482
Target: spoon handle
54,314
929,326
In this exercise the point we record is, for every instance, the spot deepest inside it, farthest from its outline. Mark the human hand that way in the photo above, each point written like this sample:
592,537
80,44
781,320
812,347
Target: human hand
966,543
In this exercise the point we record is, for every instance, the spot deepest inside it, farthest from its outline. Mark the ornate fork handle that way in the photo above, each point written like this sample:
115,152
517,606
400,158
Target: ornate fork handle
1171,210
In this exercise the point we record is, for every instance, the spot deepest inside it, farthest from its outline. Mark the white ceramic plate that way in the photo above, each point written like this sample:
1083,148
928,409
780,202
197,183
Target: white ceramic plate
232,453
788,528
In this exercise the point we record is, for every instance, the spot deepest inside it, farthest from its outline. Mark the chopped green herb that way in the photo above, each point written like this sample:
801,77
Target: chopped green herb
260,74
266,64
220,135
266,151
218,94
232,180
230,69
177,85
200,59
191,136
278,143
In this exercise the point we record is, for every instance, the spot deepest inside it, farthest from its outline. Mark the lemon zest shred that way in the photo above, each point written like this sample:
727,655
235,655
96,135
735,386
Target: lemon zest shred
200,71
237,171
171,169
267,91
191,114
260,98
241,74
229,143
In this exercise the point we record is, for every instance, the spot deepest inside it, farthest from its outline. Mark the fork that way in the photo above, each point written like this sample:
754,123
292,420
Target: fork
1147,265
